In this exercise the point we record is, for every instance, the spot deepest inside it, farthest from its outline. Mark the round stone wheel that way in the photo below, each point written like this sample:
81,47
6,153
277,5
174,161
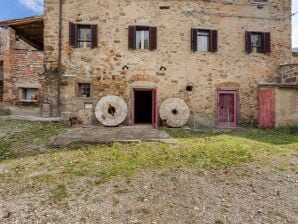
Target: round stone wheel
111,111
174,112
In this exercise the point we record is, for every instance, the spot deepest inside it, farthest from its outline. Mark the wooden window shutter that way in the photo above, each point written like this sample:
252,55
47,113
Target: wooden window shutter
248,47
266,45
214,40
94,31
132,37
194,39
73,34
153,38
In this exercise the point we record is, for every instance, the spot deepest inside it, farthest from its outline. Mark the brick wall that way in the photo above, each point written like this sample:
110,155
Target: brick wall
22,68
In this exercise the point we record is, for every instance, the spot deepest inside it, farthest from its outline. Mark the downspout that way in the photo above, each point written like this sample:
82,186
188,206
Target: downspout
59,61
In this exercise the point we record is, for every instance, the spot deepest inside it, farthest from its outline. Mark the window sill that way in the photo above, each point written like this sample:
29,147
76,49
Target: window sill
204,52
28,101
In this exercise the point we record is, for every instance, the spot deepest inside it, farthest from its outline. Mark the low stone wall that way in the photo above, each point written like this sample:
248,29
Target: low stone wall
289,74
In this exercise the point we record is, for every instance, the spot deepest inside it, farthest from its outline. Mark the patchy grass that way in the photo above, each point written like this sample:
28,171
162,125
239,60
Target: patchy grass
58,194
101,163
25,138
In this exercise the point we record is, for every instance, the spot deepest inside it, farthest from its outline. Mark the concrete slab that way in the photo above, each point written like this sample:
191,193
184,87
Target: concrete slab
29,118
104,135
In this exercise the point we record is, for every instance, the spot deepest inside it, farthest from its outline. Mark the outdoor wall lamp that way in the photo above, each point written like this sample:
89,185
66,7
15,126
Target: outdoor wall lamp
125,68
163,69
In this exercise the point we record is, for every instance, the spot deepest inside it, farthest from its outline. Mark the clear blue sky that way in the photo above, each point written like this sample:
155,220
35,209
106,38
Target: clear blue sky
10,9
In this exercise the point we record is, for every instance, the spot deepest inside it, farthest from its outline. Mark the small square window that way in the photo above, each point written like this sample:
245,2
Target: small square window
84,36
84,90
256,42
203,41
28,94
142,38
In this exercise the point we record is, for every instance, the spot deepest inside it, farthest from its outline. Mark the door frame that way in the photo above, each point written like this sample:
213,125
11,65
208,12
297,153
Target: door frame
234,123
154,112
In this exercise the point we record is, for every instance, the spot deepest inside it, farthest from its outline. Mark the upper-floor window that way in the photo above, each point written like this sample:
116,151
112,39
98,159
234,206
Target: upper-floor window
203,40
142,37
258,42
83,35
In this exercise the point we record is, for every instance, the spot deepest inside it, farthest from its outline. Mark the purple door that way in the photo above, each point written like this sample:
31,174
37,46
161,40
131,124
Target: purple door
226,108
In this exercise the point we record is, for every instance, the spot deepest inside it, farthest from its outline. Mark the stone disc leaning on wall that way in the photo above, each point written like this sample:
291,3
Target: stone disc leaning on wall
174,112
111,111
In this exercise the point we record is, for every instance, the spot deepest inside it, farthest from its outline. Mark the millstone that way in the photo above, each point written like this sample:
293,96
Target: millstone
174,112
111,111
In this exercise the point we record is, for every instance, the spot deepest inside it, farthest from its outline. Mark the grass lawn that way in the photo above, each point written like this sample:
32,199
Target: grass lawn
24,150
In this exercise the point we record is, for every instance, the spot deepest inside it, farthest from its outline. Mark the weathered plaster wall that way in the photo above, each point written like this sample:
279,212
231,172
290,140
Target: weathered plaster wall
286,106
229,68
22,68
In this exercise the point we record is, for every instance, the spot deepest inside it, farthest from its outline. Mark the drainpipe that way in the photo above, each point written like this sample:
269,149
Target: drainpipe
59,61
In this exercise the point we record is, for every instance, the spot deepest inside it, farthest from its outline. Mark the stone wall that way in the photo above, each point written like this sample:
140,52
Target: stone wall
289,74
229,68
22,68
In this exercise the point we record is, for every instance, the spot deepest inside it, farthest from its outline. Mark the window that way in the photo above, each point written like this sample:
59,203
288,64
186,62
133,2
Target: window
83,36
204,40
258,42
84,90
28,94
140,37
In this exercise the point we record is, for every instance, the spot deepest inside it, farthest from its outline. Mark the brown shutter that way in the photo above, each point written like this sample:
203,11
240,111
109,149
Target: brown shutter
214,40
266,43
153,38
194,39
248,48
72,34
132,37
94,41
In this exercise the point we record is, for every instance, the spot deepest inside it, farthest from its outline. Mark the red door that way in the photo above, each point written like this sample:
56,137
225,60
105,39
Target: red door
227,108
154,109
145,106
267,108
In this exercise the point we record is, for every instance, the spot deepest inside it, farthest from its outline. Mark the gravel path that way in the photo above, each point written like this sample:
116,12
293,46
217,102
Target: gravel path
251,193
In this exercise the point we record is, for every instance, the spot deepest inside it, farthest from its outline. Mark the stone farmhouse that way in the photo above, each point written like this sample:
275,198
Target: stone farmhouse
173,62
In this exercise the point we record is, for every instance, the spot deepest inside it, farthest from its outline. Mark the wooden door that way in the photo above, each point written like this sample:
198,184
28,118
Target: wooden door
267,108
227,108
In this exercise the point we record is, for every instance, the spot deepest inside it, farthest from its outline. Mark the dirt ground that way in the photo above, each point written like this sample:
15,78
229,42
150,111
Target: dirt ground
252,193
